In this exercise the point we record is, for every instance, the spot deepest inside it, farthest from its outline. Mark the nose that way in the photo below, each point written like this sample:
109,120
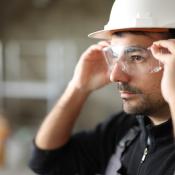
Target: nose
119,75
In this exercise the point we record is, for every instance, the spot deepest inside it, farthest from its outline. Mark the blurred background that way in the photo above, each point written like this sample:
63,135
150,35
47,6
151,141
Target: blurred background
40,44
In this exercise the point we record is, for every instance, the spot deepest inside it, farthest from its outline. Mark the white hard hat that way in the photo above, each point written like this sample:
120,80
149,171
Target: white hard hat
139,15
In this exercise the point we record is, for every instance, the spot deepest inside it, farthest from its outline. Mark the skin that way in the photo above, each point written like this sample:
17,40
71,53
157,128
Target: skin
148,99
168,78
155,92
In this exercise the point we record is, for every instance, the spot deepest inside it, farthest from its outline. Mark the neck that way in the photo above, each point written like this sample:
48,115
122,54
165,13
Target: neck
160,117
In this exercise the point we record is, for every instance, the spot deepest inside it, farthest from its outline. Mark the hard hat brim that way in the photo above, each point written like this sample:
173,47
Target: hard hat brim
107,34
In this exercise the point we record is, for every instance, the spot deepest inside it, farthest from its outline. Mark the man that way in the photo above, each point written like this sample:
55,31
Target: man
140,58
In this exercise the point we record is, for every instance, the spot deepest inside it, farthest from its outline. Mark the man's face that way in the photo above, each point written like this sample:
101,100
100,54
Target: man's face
140,91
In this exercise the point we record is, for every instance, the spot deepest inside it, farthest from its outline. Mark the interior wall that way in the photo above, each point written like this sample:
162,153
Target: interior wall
40,44
70,20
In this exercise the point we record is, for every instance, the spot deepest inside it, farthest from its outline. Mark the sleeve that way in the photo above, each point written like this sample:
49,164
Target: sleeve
87,153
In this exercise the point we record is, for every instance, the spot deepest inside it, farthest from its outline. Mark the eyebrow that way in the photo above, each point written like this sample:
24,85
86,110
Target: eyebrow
133,49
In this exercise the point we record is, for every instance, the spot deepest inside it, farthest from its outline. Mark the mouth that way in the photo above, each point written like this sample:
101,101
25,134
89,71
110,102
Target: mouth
127,94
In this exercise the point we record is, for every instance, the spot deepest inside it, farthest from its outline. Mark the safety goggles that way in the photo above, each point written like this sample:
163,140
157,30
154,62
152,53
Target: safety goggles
132,59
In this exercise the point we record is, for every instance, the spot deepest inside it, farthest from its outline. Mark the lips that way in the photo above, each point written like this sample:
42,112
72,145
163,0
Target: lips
127,94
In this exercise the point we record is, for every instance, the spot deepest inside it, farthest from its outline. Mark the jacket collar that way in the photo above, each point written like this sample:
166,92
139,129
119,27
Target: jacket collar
151,135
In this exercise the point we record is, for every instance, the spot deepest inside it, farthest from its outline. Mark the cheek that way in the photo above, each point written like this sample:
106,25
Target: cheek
150,83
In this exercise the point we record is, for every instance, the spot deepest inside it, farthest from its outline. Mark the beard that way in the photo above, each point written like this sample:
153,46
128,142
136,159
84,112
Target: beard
142,104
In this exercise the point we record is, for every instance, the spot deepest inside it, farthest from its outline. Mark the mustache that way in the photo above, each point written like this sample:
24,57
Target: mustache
128,88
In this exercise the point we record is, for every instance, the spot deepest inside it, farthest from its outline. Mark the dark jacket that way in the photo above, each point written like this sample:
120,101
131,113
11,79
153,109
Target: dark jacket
150,152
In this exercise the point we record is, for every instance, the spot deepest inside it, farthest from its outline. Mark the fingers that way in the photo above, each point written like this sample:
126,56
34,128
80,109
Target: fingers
104,43
96,49
164,45
100,45
163,49
159,52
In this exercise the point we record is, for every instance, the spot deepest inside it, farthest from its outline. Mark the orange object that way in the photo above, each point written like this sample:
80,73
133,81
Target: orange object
4,134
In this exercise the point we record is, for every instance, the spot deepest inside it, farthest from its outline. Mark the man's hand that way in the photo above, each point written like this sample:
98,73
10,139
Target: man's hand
164,51
91,71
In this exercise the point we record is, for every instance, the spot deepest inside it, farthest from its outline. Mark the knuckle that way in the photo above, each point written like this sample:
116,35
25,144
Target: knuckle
94,48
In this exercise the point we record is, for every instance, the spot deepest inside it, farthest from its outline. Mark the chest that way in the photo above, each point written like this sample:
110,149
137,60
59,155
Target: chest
137,158
157,160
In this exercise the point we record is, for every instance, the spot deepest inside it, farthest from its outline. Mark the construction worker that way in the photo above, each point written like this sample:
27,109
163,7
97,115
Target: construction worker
138,55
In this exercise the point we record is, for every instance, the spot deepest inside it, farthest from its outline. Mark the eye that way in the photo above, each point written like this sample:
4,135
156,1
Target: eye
136,58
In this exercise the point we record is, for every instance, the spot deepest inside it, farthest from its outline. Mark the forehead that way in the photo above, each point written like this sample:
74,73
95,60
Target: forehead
127,39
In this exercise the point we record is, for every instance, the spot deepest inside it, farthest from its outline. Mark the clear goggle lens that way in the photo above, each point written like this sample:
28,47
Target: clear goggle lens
132,59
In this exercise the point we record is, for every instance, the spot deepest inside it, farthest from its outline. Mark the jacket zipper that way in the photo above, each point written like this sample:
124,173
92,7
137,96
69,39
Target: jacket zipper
145,153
